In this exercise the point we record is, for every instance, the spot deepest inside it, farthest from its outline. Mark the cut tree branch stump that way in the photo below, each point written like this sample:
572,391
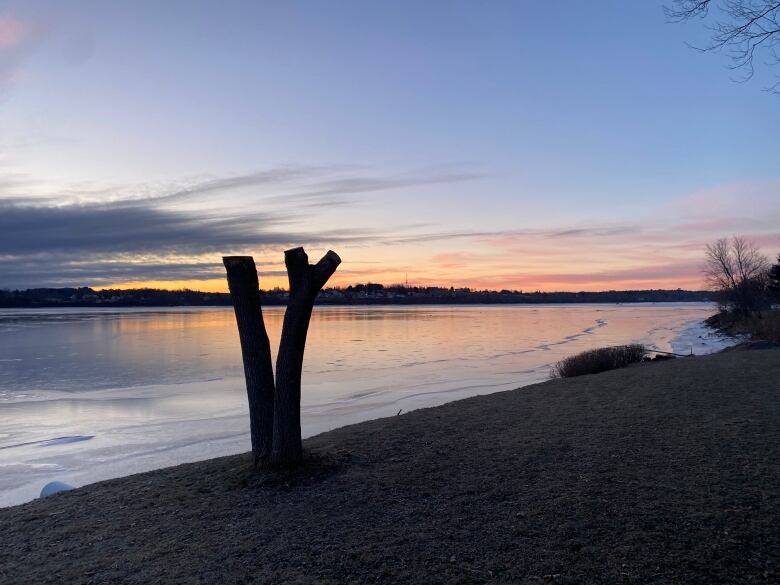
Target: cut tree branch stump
255,351
305,282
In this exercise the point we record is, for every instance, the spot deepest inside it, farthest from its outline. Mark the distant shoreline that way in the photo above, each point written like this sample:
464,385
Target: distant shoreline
359,295
352,304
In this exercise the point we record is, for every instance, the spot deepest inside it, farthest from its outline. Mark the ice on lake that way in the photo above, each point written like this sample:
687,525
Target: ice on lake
92,394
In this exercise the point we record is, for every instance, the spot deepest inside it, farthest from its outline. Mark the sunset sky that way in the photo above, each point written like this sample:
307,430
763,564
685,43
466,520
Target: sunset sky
524,145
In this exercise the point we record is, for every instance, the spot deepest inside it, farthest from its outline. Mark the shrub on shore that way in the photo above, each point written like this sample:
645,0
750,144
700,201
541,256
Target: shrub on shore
599,360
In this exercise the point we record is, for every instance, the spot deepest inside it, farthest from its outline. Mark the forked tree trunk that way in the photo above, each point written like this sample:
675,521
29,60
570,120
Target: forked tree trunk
306,281
255,351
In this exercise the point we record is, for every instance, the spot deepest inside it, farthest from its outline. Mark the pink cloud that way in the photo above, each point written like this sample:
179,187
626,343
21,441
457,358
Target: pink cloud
454,259
12,32
748,199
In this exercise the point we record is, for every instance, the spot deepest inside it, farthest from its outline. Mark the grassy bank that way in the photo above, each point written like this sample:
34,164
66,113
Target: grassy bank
764,325
657,473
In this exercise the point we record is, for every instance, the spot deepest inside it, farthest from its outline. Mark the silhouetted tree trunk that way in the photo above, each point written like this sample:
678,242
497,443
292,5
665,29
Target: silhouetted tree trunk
255,351
774,281
306,281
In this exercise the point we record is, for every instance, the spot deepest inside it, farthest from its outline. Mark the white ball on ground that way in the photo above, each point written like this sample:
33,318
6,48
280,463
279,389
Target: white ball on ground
54,487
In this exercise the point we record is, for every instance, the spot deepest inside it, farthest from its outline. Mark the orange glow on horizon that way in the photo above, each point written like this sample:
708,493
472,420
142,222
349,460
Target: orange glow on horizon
529,283
211,285
661,251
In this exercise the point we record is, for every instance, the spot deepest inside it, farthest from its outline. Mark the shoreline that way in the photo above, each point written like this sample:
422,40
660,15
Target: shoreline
649,473
360,294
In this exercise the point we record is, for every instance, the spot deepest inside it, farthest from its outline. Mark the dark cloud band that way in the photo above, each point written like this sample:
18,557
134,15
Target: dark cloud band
44,242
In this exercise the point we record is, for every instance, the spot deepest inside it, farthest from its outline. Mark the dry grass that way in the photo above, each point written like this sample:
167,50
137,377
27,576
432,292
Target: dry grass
599,360
653,475
763,325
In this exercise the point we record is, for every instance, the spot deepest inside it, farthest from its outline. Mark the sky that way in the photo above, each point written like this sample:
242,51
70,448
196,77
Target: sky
525,145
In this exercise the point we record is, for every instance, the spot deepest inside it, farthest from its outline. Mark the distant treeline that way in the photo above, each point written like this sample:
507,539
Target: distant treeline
361,294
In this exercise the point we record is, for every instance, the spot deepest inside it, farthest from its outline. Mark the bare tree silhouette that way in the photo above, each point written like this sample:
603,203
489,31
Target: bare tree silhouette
275,408
745,29
738,271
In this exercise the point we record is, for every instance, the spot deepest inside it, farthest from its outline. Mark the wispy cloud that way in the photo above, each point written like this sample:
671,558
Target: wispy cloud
356,185
275,178
313,186
284,186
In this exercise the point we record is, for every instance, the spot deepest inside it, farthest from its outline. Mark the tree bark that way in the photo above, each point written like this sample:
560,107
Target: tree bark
255,351
306,281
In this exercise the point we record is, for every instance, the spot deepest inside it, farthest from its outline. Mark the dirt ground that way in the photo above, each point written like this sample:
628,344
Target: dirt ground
659,473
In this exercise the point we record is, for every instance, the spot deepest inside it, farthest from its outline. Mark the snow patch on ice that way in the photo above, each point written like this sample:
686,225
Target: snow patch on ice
698,338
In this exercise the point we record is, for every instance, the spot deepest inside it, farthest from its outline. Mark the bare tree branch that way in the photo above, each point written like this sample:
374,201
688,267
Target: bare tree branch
744,29
738,271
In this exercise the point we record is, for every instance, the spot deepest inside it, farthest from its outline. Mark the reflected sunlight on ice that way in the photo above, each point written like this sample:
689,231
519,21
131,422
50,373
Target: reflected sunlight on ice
93,394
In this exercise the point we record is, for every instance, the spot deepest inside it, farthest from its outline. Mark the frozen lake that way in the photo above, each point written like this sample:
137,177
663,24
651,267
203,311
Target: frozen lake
89,394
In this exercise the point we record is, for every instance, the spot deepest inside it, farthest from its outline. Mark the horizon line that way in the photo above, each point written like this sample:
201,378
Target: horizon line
347,287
